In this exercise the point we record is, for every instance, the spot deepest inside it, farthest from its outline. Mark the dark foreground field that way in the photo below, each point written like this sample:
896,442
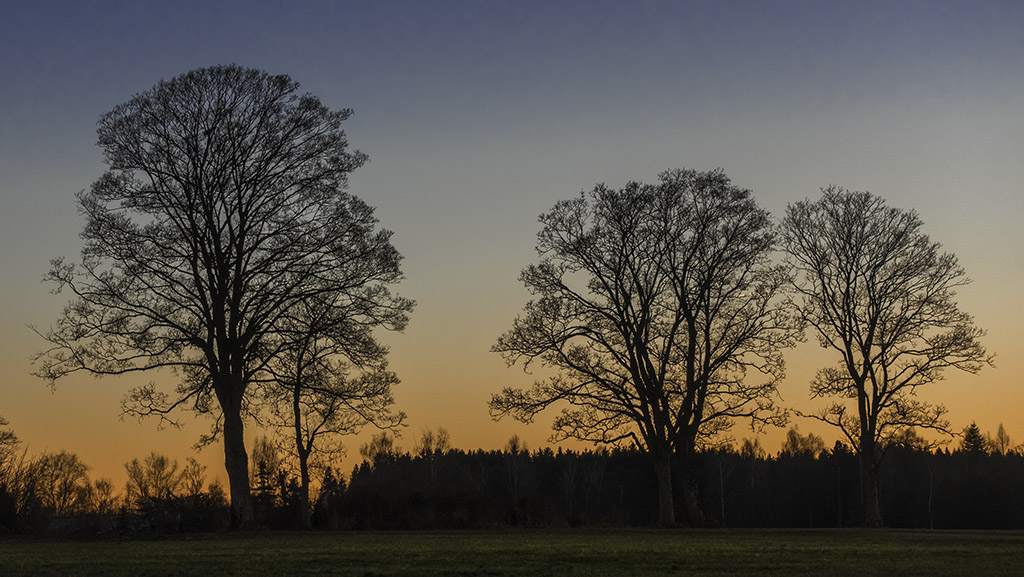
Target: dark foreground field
634,552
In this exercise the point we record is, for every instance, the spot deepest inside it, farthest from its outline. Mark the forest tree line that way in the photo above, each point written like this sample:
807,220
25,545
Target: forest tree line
805,484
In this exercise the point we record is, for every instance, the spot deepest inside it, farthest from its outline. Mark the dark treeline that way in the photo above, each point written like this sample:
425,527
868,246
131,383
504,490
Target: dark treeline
974,486
920,489
549,488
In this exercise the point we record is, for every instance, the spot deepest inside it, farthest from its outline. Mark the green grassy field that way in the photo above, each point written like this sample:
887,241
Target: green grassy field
628,552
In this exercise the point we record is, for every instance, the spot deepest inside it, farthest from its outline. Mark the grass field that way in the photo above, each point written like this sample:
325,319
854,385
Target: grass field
818,553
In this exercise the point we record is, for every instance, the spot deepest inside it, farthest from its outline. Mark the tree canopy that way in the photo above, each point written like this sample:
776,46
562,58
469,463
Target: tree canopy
657,307
880,293
223,210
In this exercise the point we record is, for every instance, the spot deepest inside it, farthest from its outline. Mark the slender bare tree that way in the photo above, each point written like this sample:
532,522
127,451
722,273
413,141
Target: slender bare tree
332,378
1001,443
653,303
193,478
880,293
224,207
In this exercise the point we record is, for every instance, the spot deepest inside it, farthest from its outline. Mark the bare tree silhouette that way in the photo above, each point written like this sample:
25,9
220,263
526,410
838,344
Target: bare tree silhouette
654,303
880,293
224,208
331,378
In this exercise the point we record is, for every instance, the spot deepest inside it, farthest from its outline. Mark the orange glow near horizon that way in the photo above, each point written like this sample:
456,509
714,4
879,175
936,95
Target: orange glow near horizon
447,379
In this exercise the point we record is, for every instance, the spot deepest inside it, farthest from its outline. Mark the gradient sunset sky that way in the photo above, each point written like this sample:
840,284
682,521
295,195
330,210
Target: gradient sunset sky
478,116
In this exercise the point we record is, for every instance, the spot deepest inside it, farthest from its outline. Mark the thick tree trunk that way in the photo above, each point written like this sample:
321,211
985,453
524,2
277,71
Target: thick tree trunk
695,516
666,503
870,503
236,462
305,521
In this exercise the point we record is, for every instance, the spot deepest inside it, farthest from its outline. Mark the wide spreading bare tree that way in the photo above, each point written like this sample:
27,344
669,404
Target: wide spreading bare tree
880,293
654,304
224,208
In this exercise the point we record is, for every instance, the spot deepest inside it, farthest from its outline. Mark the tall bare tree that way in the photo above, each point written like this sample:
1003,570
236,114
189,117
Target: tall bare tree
880,293
224,207
653,303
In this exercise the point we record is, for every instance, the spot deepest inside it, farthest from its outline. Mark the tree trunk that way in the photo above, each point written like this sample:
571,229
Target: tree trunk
869,490
305,521
695,516
666,504
236,462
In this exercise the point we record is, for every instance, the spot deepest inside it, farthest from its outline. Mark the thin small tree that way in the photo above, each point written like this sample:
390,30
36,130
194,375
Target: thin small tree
1001,443
332,377
880,293
193,478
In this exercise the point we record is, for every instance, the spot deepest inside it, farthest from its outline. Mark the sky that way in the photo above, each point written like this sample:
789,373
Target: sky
478,116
